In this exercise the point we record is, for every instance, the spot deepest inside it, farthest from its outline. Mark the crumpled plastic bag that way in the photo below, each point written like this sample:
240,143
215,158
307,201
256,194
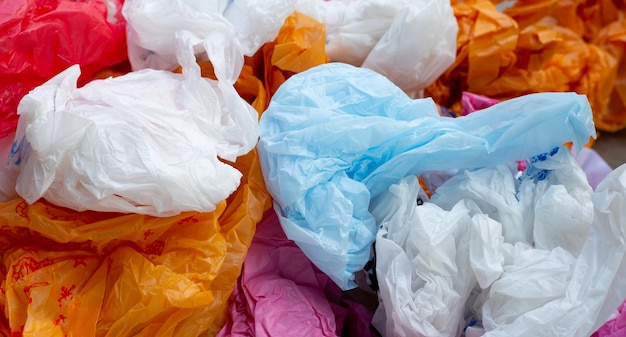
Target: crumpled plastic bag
335,136
244,26
541,56
613,38
442,268
281,293
108,274
148,142
584,17
39,39
411,42
600,23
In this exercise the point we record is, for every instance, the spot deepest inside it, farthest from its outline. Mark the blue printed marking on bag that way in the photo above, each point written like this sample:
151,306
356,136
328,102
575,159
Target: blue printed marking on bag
16,151
537,174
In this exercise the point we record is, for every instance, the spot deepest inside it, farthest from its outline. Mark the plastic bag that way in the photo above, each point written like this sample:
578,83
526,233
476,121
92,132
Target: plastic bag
584,17
613,38
600,23
346,134
281,293
541,56
441,269
435,305
410,42
107,274
39,39
148,142
243,26
477,61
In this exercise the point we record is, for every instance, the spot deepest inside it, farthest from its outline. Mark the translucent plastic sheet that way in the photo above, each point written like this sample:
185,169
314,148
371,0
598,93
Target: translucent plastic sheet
335,136
39,39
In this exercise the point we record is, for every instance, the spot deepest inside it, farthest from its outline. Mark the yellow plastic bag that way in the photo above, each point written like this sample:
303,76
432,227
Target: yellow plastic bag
68,273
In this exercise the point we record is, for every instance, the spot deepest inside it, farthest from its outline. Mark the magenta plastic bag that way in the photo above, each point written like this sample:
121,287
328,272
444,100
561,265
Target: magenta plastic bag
281,293
615,326
472,102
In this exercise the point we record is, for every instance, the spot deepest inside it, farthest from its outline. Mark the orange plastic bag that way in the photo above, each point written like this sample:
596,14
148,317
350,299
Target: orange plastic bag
479,61
300,45
598,22
502,58
67,273
584,17
613,38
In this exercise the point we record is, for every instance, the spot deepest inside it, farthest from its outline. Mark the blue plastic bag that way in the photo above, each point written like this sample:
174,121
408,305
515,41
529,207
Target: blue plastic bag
336,136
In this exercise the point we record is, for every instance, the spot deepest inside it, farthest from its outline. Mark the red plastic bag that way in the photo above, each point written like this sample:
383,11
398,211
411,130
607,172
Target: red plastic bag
40,38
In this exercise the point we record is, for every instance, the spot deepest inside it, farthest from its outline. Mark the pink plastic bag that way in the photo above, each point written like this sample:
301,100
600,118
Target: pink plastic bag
281,293
614,327
472,102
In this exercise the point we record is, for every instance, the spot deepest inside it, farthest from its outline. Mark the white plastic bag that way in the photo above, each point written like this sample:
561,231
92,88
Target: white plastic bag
422,263
243,26
551,297
555,187
147,142
411,42
439,269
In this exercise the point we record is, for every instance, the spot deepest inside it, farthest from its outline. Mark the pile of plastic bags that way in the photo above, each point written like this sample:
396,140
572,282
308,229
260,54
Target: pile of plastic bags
297,167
